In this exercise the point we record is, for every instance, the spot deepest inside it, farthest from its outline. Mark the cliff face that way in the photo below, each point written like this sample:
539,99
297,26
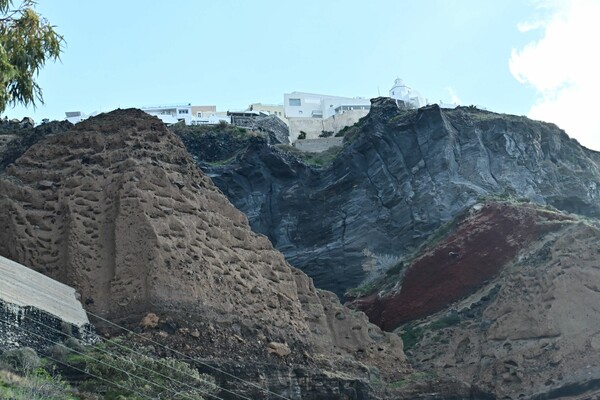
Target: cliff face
117,209
506,300
402,175
16,138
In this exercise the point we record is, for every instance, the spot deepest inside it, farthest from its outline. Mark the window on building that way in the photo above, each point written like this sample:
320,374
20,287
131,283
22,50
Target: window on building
199,115
294,102
183,111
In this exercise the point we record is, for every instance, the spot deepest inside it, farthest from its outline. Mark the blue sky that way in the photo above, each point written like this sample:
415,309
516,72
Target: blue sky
233,53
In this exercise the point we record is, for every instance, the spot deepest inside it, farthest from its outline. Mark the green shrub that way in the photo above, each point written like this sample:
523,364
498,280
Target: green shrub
21,360
135,372
37,384
411,335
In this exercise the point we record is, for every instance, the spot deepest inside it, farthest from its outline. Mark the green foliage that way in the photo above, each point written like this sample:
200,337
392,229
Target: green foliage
27,41
363,290
321,159
412,334
21,360
137,372
37,384
447,320
302,135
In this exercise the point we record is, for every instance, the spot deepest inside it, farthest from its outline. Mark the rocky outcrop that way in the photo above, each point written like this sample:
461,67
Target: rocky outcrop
17,137
116,208
401,175
506,300
276,131
482,242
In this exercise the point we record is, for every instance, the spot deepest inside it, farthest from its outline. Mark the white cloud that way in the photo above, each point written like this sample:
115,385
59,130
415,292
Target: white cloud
564,67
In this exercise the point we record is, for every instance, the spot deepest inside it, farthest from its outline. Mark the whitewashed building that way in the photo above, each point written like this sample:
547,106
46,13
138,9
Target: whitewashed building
403,93
190,115
171,114
75,117
313,114
310,105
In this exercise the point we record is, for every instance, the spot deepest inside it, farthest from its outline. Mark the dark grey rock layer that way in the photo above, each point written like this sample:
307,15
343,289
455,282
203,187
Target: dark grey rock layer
402,175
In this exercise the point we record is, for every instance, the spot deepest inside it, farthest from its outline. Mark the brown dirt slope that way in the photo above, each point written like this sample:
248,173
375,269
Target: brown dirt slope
515,313
534,330
117,209
482,243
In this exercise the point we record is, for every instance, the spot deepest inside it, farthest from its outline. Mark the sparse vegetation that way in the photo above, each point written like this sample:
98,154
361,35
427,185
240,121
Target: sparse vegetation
419,376
215,144
24,376
321,159
412,334
37,384
137,372
115,373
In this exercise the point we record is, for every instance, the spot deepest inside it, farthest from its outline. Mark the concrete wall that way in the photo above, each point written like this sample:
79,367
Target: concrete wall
315,126
318,145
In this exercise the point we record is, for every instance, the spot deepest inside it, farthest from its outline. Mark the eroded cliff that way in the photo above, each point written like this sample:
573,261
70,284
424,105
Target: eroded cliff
117,208
400,176
505,299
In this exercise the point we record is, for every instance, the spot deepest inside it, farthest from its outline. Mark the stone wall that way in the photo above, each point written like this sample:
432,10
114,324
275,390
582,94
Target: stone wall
32,327
315,126
318,145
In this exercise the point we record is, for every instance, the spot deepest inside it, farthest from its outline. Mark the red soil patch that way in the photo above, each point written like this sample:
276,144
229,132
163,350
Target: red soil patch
483,244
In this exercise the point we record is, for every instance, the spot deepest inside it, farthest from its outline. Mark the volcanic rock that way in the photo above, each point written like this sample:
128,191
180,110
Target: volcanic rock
515,314
16,138
136,228
401,175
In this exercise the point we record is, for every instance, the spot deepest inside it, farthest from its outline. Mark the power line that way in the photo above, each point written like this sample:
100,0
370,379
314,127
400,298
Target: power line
109,365
136,352
173,351
186,356
99,377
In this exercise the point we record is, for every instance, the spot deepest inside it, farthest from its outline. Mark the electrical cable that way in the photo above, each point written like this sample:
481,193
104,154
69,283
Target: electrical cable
108,364
138,353
186,356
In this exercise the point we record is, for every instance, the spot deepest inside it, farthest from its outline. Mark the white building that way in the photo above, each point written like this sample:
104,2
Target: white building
310,105
171,114
190,115
411,98
314,114
75,117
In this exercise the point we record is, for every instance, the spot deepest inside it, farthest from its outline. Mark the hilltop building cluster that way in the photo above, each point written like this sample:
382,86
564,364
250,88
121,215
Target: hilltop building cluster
309,116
